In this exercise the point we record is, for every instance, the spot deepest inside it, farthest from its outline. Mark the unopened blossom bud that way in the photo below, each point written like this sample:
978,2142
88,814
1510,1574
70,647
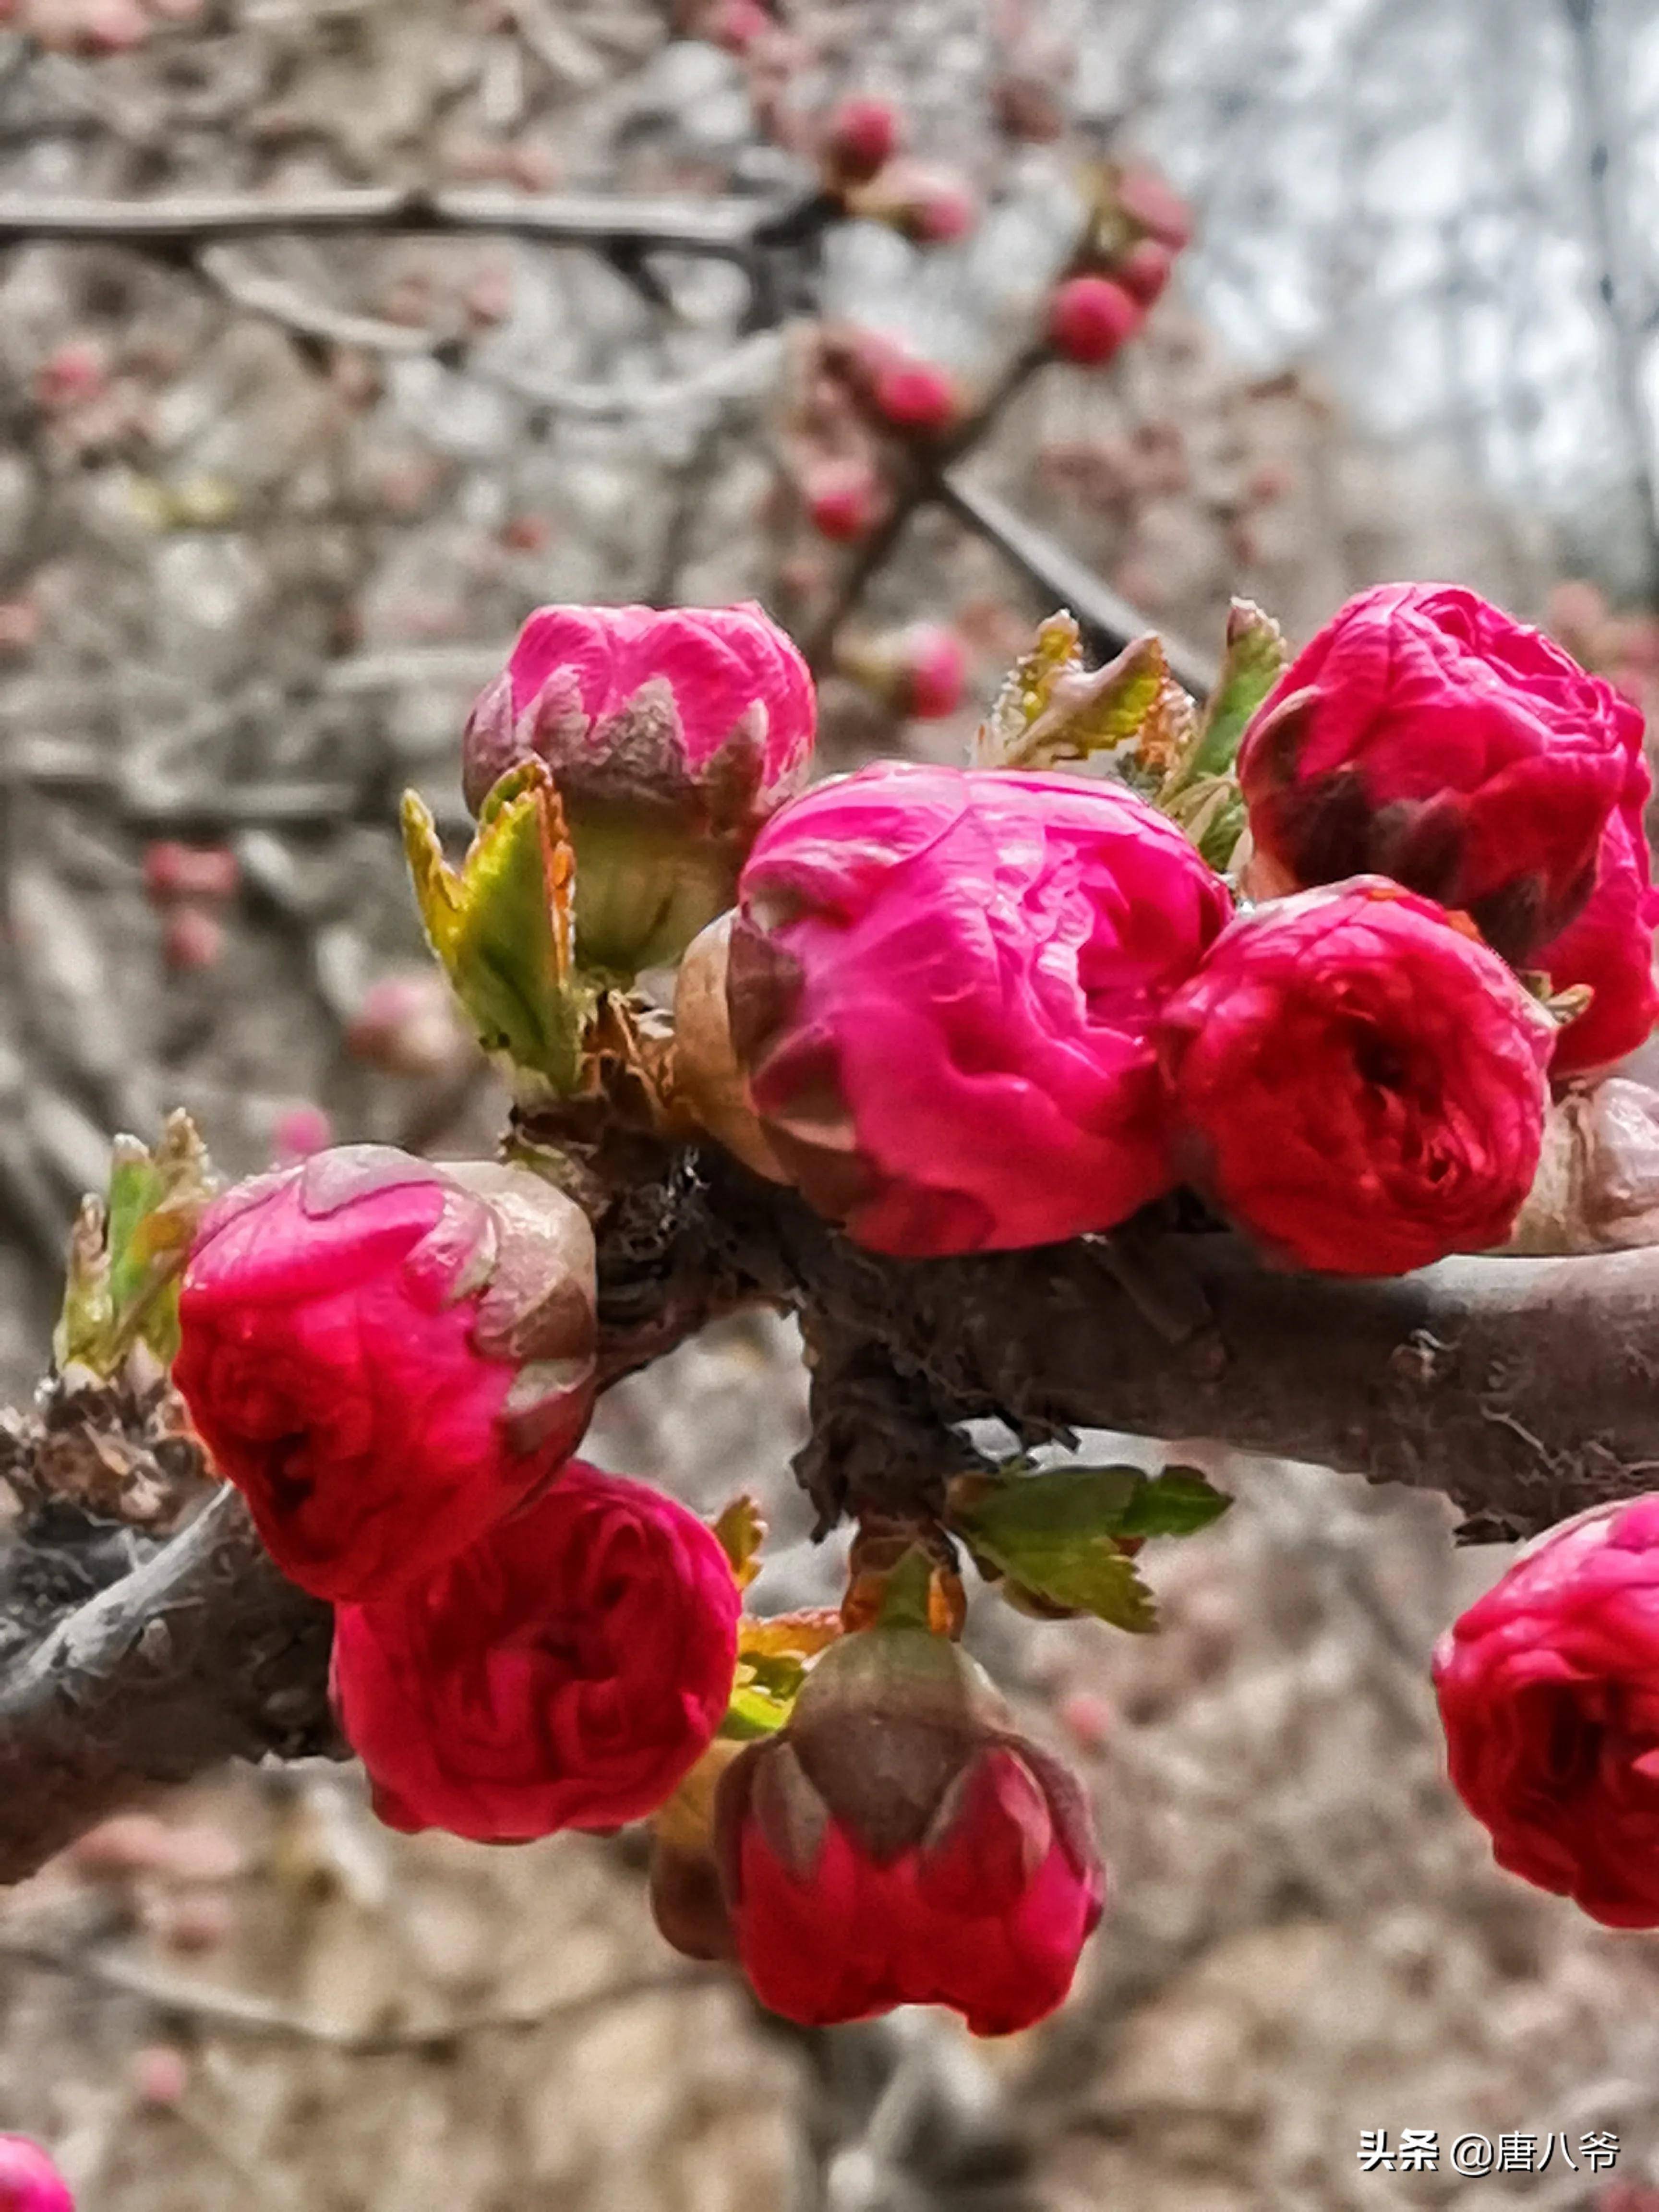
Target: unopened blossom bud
707,1081
671,734
29,2182
943,986
1153,205
897,1842
298,1131
159,2073
1549,1696
567,1671
406,1024
1357,1081
192,939
916,396
1145,270
386,1357
1091,317
845,499
921,671
735,24
861,135
1423,735
1608,945
172,870
932,204
71,374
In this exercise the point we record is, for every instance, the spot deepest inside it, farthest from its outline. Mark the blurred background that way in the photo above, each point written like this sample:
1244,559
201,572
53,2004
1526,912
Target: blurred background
272,505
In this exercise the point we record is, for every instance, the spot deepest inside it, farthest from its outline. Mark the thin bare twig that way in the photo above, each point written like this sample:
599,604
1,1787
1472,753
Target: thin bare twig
237,2012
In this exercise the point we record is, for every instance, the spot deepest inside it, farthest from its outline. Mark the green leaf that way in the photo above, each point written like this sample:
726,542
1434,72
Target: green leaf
1056,1533
127,1252
503,927
1177,1503
1253,660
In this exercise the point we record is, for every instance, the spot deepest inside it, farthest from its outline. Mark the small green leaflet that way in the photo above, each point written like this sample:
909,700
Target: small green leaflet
1055,1531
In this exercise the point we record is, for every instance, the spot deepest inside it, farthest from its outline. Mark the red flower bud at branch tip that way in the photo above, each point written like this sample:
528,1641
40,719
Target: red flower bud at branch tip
29,2182
1357,1081
861,135
566,1671
1549,1696
1144,270
898,1843
172,870
671,734
942,986
299,1132
1423,735
386,1357
1153,205
1091,317
1608,945
916,395
845,499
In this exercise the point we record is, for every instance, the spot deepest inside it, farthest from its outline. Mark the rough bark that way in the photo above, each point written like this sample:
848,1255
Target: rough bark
1526,1389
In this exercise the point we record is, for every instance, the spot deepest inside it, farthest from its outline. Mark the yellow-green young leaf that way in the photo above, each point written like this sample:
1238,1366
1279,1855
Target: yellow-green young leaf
503,925
755,1712
126,1253
740,1530
1026,691
1084,712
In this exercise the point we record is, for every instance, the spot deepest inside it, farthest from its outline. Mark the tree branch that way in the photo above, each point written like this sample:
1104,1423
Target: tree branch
729,229
1525,1389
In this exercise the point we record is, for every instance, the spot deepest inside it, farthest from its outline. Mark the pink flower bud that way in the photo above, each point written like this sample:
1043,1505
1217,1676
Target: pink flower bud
1144,270
1153,205
920,671
1549,1696
1357,1080
929,203
159,2075
172,870
861,135
942,986
19,624
916,395
29,2182
1091,317
300,1130
566,1671
735,24
406,1024
1609,945
845,499
1423,735
898,1843
71,374
192,940
386,1357
672,735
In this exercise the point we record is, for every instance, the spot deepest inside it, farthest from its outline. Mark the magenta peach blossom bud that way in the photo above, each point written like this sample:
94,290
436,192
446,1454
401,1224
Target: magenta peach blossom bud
897,1842
921,671
1145,270
297,1133
29,2182
845,499
1549,1697
1090,318
671,734
1608,945
1153,205
1357,1080
861,135
386,1357
1424,735
566,1671
192,939
916,396
943,985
